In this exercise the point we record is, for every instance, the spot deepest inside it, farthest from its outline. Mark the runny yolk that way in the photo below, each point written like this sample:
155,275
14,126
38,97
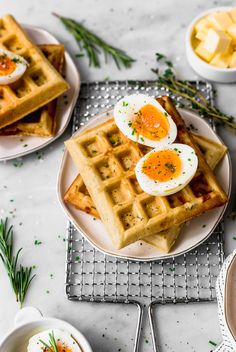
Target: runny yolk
60,348
150,123
162,166
7,66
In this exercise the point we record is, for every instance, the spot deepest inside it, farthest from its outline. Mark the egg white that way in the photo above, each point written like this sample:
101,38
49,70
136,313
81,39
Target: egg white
21,66
189,167
36,346
124,112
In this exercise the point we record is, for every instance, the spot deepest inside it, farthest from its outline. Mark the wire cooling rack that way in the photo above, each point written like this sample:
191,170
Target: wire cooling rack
97,277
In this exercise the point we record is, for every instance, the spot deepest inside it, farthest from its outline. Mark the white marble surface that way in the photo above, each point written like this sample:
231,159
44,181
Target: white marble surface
28,193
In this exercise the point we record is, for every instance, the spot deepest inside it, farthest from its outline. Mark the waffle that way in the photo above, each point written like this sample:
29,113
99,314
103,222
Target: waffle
106,162
40,84
41,122
78,196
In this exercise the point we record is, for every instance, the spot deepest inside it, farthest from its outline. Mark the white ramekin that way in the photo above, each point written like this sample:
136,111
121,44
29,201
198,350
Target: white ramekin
207,71
28,322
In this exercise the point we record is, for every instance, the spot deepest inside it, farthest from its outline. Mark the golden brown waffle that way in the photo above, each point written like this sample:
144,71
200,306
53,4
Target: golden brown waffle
78,196
41,122
40,84
106,162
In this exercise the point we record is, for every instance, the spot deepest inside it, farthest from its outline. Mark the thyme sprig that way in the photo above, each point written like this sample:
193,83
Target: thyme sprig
192,97
51,345
20,277
93,45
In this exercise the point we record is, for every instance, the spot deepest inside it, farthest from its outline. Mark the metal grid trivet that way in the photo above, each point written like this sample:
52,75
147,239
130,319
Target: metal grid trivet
100,278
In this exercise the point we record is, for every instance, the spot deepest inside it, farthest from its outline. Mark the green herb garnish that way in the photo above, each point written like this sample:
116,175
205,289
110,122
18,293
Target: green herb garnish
19,276
37,243
51,345
93,45
212,343
192,97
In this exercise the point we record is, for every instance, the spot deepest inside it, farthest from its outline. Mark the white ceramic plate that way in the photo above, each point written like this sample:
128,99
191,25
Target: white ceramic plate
198,230
14,146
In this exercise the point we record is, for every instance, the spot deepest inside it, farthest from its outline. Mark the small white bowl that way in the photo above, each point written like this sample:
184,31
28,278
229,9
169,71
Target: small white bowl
207,71
28,322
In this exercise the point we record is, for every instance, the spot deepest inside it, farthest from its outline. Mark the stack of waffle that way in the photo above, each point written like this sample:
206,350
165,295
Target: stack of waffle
28,106
107,186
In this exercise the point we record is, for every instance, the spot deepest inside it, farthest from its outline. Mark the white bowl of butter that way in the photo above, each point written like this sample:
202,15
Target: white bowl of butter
211,44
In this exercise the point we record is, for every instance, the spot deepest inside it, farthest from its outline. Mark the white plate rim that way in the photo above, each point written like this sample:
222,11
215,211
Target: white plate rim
71,106
133,258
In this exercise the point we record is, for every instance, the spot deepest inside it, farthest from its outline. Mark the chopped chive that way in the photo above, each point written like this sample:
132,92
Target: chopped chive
212,343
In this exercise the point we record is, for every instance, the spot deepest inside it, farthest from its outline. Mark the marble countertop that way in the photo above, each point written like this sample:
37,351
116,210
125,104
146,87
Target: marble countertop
28,193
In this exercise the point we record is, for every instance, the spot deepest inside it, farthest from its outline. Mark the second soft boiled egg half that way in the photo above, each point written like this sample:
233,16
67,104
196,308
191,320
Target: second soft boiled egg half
165,171
12,67
142,119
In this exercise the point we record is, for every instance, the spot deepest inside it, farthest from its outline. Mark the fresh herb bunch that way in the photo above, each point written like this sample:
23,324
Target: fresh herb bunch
51,345
193,98
93,45
20,276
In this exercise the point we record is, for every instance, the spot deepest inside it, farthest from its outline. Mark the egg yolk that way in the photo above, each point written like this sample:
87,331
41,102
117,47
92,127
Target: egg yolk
162,166
7,66
60,348
150,123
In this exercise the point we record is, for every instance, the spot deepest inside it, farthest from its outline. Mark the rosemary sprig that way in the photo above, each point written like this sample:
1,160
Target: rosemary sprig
51,345
192,97
20,276
93,45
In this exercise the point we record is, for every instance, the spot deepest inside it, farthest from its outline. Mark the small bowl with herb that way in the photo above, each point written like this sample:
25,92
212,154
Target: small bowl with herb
34,333
211,44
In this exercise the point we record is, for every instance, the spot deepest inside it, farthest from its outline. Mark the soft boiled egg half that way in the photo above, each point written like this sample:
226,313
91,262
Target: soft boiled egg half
142,119
164,171
64,342
12,67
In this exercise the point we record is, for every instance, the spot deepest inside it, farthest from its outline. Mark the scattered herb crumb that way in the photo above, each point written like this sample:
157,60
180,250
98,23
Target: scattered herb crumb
37,242
77,258
172,269
212,343
18,164
79,55
47,291
234,238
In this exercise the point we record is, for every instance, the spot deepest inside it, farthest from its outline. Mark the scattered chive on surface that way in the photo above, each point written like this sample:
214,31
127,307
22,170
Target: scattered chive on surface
212,343
92,45
192,97
20,277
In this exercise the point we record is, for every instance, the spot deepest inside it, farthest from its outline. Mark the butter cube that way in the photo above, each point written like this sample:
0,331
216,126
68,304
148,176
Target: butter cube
221,60
232,32
232,14
203,53
232,63
201,34
220,20
202,24
217,41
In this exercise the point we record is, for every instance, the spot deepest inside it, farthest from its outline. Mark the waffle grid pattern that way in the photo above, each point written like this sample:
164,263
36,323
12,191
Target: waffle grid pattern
40,83
91,275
